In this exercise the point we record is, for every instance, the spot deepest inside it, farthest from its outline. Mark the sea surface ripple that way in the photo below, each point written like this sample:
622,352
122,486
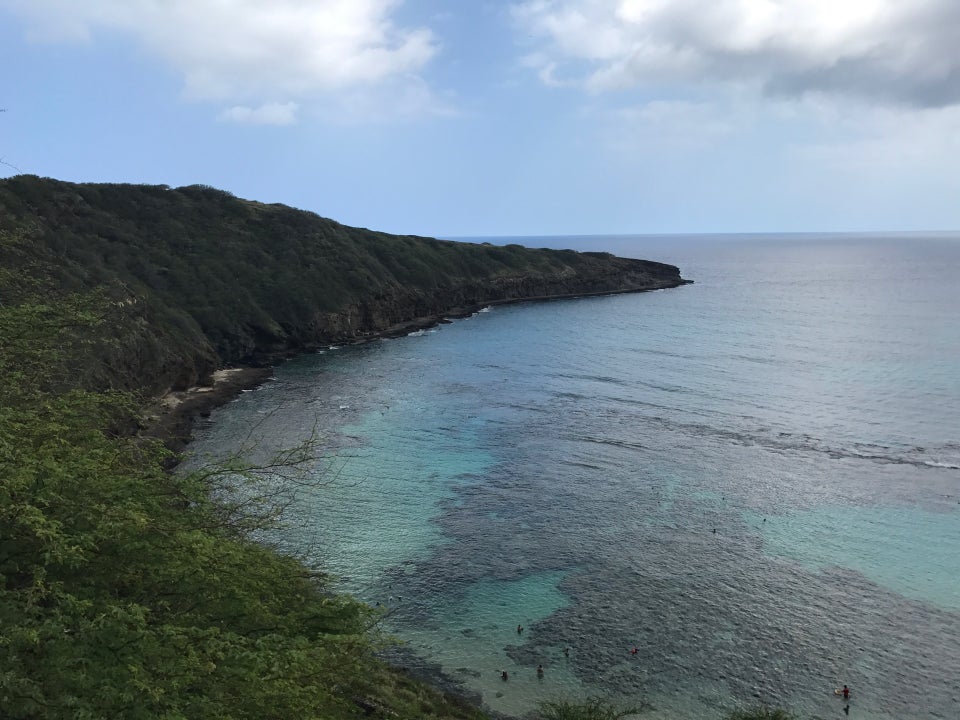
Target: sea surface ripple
754,481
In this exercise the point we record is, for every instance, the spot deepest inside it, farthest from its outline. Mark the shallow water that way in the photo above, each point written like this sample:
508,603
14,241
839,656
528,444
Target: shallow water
752,480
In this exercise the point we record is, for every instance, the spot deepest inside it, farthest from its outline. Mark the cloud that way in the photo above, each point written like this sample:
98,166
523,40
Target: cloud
251,52
888,51
675,126
889,143
266,114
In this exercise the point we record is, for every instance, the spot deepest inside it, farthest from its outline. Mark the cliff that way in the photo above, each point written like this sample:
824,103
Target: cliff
195,278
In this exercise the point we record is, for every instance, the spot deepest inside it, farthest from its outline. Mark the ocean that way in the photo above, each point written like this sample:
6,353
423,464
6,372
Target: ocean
741,491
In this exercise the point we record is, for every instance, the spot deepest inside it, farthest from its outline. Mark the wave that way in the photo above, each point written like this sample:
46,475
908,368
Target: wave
936,464
608,379
944,457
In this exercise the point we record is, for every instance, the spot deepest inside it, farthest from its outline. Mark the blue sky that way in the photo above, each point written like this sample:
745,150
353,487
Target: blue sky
523,117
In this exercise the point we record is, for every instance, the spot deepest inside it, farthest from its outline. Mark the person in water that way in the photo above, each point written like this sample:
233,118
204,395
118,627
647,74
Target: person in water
519,629
540,670
846,693
503,675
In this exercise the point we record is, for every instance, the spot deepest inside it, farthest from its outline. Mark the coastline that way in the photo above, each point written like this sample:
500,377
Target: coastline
170,417
402,660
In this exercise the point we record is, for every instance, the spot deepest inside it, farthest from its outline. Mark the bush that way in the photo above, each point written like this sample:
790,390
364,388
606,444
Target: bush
761,713
590,709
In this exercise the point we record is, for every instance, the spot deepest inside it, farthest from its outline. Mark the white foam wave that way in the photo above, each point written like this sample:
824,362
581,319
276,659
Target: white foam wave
934,463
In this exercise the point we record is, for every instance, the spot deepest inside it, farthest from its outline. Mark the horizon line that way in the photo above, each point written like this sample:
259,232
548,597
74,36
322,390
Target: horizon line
770,234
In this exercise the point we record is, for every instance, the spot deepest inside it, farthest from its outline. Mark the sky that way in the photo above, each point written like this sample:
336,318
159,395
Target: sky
461,118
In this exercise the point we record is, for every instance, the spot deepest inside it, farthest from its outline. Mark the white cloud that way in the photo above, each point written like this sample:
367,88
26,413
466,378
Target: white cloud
253,51
403,101
867,143
670,125
266,114
895,51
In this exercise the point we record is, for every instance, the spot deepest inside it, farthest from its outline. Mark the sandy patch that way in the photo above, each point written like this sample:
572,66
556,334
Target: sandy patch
226,373
170,401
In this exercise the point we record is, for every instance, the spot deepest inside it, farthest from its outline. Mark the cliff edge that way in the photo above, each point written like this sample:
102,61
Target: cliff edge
196,279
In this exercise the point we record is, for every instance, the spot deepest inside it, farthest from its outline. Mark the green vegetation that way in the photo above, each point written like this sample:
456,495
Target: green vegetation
199,278
761,713
590,709
126,591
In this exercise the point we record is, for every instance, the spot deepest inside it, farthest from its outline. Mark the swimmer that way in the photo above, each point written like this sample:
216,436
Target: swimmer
503,675
634,651
566,651
540,670
519,629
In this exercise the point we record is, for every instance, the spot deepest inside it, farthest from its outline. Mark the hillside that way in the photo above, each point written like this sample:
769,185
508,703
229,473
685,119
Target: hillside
130,592
200,279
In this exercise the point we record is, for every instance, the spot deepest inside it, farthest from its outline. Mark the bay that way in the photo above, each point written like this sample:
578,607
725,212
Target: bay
754,481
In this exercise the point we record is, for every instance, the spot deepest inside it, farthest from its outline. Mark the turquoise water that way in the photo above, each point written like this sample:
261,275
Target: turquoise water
753,480
880,543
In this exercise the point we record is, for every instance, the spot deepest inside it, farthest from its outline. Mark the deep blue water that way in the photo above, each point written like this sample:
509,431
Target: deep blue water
753,480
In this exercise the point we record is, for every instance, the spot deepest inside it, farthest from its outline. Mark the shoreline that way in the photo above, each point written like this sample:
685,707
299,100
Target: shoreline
426,322
402,660
170,418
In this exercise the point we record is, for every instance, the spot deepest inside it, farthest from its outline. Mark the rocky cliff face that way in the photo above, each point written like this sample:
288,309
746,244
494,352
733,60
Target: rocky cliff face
400,309
192,279
151,359
385,314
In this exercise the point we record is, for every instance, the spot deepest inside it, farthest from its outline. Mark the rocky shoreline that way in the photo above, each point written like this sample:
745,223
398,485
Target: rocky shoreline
170,418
